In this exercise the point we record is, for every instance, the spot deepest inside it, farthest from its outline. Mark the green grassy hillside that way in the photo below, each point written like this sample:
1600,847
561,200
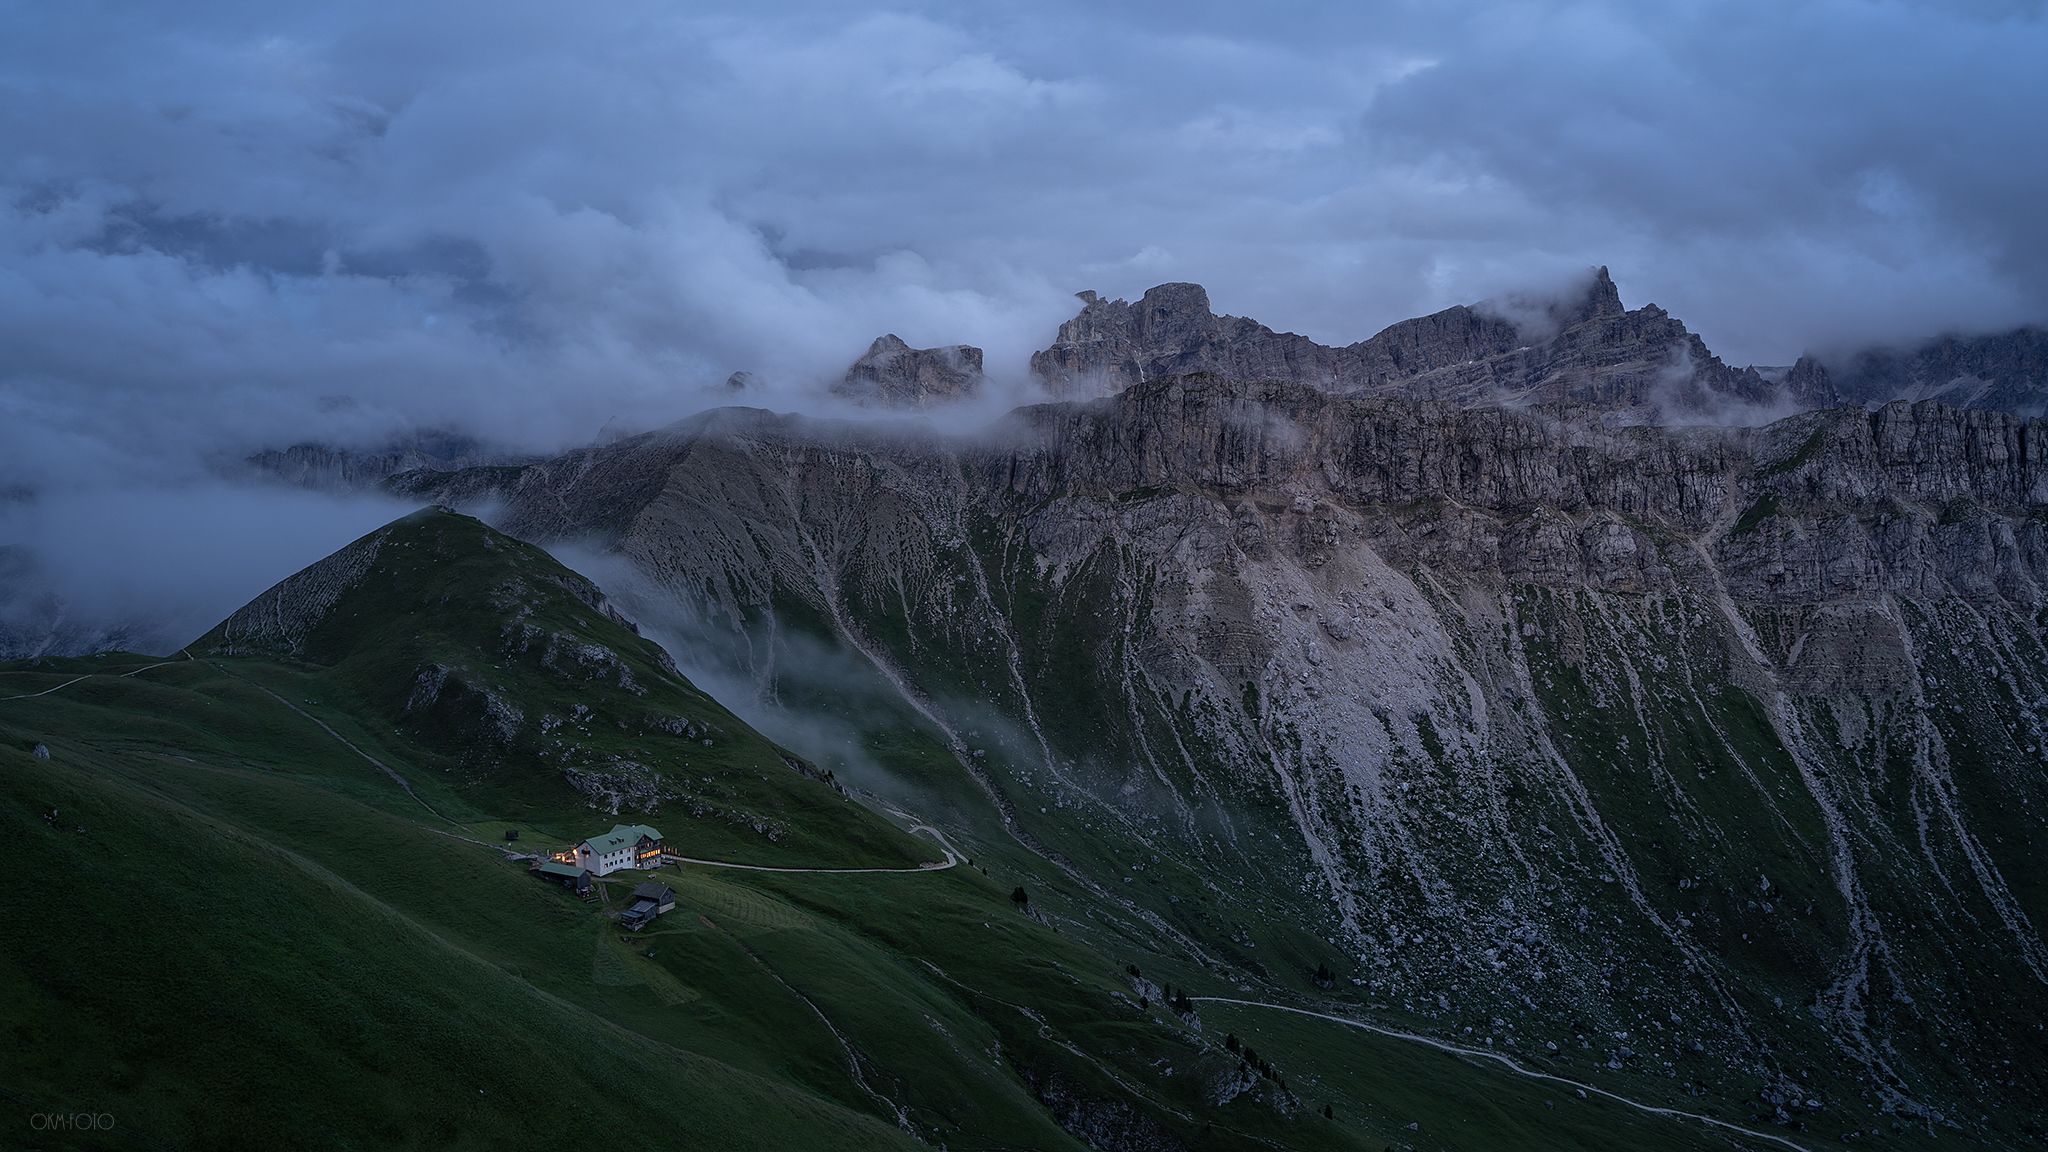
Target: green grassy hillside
504,674
272,907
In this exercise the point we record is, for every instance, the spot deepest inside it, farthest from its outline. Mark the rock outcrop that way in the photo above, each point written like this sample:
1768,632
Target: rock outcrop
2007,371
1171,331
329,467
892,374
1807,384
285,615
1584,348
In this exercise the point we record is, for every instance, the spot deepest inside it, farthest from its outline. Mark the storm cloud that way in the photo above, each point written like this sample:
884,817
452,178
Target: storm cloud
226,226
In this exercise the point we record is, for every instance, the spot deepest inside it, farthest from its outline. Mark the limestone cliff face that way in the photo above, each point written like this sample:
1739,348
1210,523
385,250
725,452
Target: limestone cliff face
2006,370
1841,513
892,374
1587,350
329,467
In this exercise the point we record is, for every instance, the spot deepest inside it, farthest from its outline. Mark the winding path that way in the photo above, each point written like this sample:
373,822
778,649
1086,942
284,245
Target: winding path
386,769
1512,1065
952,858
90,675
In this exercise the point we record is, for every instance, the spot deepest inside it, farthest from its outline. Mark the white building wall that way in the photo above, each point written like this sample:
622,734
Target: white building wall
606,863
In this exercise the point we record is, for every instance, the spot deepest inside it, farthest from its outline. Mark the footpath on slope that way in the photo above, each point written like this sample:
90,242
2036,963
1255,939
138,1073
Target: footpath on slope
90,675
386,769
1511,1064
952,858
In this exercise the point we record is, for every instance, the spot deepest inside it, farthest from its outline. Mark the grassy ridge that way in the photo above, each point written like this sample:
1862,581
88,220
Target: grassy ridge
500,672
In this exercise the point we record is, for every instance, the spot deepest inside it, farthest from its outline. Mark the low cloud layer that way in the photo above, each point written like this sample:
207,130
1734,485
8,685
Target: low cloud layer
233,225
238,223
153,569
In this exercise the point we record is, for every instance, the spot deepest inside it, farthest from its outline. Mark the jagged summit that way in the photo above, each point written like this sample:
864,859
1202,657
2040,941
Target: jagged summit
893,374
1587,349
1601,298
319,465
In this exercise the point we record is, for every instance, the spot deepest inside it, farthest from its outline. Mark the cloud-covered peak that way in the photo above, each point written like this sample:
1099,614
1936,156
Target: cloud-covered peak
228,226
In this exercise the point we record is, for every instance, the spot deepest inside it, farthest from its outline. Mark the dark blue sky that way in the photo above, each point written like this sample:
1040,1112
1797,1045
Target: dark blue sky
233,225
227,224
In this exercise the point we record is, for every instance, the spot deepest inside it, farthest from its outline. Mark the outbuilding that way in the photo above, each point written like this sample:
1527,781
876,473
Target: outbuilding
649,900
569,876
661,895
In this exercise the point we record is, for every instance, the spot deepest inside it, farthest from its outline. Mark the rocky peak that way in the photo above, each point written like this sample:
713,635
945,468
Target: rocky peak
1584,349
1601,298
2007,371
1169,308
1807,382
1171,330
892,374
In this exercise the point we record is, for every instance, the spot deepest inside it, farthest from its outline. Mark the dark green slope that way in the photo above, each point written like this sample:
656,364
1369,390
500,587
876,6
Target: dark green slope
196,975
273,909
507,675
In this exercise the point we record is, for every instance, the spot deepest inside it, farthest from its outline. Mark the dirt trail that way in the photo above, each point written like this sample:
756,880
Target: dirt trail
1512,1066
386,769
90,675
952,858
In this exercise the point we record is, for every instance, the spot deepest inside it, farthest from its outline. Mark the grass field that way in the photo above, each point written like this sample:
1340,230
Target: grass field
252,904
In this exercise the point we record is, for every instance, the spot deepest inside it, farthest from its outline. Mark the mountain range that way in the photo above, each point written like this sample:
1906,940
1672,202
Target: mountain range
1706,752
1581,348
298,856
1522,680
